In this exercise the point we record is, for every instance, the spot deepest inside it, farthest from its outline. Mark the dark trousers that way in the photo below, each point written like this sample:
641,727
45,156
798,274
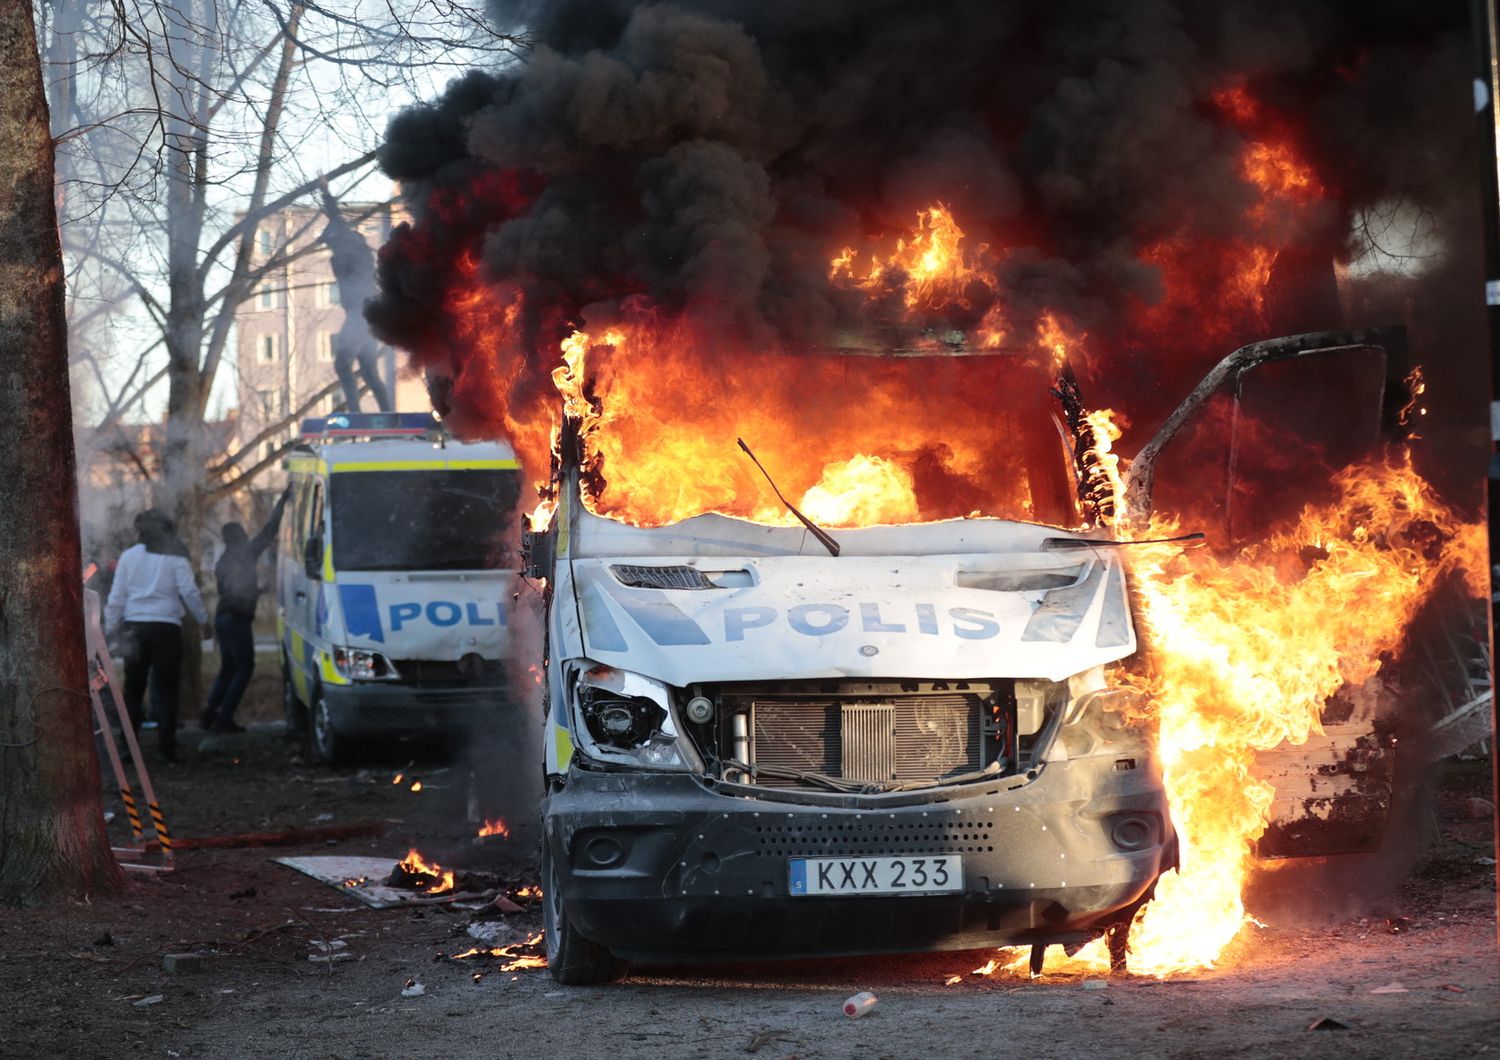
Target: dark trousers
236,664
153,650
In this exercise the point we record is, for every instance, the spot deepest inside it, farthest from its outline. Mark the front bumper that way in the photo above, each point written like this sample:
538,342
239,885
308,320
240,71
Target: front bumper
660,867
372,709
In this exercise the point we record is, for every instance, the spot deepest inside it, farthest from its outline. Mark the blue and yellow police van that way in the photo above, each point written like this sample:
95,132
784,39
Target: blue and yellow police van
394,571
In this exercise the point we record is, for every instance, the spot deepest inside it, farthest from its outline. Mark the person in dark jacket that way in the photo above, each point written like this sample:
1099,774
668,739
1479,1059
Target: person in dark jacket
234,618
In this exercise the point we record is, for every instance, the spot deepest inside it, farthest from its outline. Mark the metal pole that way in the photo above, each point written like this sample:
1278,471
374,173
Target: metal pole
1486,22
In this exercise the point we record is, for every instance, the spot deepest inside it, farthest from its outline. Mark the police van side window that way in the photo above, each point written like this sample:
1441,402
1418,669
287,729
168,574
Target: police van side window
312,531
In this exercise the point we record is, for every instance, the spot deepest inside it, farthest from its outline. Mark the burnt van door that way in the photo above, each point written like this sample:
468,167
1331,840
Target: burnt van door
1266,440
1270,436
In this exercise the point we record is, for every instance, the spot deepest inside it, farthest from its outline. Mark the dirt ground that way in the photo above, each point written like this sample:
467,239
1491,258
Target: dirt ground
1412,973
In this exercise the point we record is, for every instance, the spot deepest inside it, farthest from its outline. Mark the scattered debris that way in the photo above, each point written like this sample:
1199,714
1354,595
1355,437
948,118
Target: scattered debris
182,963
1390,988
1327,1023
154,999
105,939
1095,984
367,879
488,930
758,1039
248,892
1484,861
859,1005
505,905
1453,988
987,968
1479,808
413,989
953,980
330,951
1397,924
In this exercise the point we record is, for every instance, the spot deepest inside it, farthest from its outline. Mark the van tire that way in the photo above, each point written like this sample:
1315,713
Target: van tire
572,959
322,739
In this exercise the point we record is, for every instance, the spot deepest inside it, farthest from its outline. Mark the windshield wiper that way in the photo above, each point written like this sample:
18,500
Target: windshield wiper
1090,542
822,535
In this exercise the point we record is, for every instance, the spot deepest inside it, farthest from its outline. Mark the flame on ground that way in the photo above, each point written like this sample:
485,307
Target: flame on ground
496,827
433,878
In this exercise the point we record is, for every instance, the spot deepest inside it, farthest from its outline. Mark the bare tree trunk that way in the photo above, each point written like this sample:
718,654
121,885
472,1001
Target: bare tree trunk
52,836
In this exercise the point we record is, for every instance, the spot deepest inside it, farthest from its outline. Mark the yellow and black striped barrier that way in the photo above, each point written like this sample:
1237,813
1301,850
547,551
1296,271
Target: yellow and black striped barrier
131,812
159,823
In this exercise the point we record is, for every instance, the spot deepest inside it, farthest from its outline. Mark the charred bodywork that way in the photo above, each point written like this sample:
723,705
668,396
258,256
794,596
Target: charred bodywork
741,725
925,737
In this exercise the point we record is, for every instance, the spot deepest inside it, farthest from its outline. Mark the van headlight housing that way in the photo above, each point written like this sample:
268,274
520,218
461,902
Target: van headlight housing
627,719
1106,719
357,664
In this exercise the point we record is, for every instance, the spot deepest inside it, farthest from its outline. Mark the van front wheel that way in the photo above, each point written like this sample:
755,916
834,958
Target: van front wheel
572,959
326,743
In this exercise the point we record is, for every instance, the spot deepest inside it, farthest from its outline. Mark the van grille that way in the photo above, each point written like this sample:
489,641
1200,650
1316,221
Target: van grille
440,673
902,738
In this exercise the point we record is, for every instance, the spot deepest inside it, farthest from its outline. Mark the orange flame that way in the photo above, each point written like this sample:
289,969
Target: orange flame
416,865
496,827
929,266
1244,653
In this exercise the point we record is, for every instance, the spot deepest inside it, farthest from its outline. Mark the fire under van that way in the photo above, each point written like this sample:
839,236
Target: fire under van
762,746
393,578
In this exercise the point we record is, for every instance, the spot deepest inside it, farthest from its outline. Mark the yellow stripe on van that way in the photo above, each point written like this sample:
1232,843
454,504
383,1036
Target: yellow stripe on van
427,465
306,465
562,745
330,673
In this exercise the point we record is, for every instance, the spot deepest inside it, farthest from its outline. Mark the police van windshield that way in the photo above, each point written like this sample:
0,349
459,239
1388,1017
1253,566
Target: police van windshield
422,520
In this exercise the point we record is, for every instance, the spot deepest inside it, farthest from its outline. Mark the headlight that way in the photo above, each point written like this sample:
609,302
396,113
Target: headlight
360,665
1105,721
627,719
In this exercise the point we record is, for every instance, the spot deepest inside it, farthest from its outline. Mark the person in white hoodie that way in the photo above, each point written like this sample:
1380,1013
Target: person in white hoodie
153,584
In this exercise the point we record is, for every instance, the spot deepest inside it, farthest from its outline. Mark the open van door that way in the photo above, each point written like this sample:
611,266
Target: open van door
1291,410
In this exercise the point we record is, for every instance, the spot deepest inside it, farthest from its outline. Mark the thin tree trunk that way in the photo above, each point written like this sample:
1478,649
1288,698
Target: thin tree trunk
52,838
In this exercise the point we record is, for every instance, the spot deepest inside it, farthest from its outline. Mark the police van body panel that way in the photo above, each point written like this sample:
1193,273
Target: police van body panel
394,577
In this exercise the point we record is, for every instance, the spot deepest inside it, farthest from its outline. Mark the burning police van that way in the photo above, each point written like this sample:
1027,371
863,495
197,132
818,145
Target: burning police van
776,741
392,580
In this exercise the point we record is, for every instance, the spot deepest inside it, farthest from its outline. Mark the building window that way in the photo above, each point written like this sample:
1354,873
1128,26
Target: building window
328,294
268,348
267,297
267,400
325,346
264,236
269,450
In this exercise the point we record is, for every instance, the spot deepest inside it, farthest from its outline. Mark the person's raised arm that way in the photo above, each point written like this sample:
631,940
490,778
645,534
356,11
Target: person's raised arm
267,533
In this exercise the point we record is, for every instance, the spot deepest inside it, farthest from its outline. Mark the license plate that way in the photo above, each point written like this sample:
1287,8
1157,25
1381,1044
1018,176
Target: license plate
934,874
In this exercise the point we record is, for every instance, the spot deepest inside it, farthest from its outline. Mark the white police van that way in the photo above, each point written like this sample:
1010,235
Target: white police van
393,577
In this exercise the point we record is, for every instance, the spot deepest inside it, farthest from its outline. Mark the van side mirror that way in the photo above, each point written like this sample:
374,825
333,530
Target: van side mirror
312,557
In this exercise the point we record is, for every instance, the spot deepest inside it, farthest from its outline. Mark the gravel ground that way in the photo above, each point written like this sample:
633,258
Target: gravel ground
1427,945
